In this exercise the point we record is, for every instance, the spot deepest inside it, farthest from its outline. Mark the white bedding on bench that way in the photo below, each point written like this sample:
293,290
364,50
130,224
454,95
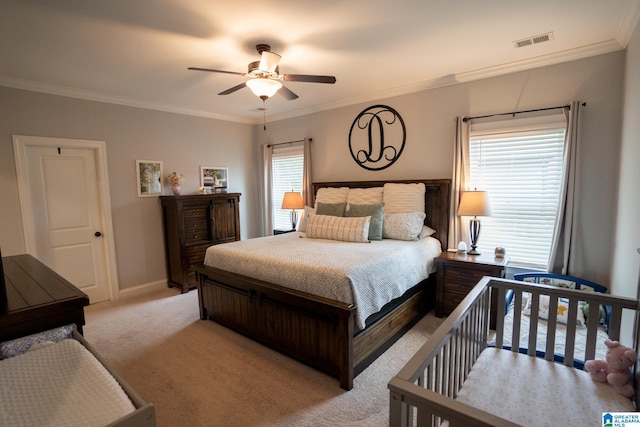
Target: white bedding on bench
534,392
59,384
368,275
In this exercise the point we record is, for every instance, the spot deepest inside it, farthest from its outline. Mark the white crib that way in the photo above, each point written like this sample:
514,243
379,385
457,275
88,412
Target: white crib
458,378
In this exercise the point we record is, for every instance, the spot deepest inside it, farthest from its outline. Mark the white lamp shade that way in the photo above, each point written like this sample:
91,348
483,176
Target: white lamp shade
269,61
263,86
474,203
292,200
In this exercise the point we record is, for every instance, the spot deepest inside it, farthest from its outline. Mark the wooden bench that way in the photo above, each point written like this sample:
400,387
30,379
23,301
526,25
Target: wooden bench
37,299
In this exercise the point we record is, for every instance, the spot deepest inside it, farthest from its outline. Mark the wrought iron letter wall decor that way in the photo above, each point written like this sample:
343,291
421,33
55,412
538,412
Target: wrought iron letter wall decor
377,137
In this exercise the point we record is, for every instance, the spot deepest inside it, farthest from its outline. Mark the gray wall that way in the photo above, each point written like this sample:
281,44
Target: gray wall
428,153
182,142
626,260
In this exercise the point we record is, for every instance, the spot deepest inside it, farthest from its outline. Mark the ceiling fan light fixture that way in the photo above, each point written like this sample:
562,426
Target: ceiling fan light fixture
263,87
269,61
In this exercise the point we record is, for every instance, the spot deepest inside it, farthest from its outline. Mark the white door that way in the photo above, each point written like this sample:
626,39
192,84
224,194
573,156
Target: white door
65,213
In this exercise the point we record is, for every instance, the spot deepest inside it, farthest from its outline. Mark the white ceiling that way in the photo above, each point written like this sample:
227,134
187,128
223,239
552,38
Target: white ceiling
136,52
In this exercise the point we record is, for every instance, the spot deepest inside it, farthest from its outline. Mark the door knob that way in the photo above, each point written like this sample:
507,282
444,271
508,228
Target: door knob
98,234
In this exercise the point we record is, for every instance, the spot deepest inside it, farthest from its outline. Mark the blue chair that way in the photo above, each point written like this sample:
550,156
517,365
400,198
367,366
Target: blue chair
562,280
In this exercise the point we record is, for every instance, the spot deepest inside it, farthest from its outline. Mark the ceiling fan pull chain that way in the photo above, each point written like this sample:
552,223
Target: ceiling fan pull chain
264,115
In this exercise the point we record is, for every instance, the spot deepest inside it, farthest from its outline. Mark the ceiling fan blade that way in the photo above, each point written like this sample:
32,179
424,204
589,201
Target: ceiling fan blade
232,89
287,93
269,61
309,78
216,71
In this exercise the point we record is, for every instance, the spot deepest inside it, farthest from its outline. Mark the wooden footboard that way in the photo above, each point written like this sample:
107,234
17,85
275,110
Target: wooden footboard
315,330
424,391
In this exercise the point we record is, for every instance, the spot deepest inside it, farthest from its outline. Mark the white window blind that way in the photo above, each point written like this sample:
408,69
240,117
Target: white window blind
287,164
521,169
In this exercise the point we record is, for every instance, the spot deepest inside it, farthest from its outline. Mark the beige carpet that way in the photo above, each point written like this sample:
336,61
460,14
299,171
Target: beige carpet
198,373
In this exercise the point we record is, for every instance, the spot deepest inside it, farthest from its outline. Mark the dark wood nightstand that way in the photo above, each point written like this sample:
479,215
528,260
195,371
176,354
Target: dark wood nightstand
459,273
282,231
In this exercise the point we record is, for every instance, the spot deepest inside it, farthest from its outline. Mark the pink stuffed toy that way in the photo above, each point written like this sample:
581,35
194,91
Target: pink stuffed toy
615,369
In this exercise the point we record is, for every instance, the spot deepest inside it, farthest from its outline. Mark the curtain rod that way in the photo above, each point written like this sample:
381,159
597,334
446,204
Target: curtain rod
288,142
466,119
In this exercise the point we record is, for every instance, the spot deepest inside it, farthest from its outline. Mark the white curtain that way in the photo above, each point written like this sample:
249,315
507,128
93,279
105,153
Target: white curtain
562,258
307,187
458,229
267,154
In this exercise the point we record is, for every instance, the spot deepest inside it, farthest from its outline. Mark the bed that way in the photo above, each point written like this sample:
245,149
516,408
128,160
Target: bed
458,378
56,378
326,331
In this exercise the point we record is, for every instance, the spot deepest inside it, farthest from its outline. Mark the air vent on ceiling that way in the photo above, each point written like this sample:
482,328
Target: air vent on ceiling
533,40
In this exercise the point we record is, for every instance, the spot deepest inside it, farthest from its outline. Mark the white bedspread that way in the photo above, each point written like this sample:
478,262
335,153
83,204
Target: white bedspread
365,274
59,384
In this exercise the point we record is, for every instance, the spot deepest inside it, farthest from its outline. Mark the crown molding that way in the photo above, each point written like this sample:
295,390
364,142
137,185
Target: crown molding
608,46
110,99
544,60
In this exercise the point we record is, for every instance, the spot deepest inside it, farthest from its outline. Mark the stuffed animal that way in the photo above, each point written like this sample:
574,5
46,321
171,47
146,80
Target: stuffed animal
615,370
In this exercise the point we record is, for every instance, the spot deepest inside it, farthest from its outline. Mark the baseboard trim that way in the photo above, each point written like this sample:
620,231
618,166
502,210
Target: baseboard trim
144,289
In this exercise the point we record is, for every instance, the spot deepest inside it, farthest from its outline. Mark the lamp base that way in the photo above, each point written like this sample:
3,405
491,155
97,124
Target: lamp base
294,219
474,233
473,251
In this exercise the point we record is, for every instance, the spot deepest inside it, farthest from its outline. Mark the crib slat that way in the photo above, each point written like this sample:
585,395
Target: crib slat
533,326
592,333
614,323
552,323
570,344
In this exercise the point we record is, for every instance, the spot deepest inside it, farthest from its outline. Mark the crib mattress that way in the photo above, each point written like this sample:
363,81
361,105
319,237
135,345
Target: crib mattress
534,392
59,384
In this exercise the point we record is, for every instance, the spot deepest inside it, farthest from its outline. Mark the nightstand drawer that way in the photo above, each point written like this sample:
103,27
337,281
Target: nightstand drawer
458,274
463,276
451,299
463,286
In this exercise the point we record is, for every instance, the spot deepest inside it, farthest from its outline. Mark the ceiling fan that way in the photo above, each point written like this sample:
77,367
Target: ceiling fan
264,76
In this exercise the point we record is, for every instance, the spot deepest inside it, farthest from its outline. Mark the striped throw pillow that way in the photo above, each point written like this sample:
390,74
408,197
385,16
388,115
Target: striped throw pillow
345,229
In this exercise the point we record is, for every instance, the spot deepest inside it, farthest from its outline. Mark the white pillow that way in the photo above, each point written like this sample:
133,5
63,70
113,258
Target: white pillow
426,231
402,226
302,225
562,312
403,198
365,196
347,229
332,195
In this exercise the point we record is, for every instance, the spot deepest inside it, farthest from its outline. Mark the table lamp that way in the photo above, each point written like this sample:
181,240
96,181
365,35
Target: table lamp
474,203
293,200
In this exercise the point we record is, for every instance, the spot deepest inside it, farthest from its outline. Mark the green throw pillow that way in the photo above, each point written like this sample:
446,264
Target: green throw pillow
332,209
375,211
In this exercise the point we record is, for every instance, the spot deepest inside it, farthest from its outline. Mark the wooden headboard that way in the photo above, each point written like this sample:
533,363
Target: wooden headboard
436,200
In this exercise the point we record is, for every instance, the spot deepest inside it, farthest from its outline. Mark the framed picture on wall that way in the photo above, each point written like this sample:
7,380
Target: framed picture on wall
214,179
149,178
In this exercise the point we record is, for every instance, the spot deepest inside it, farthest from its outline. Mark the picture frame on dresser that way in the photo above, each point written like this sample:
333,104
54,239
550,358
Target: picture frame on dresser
149,178
214,179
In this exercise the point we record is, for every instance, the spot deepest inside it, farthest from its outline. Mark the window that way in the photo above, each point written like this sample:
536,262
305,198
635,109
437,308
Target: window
521,168
287,164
